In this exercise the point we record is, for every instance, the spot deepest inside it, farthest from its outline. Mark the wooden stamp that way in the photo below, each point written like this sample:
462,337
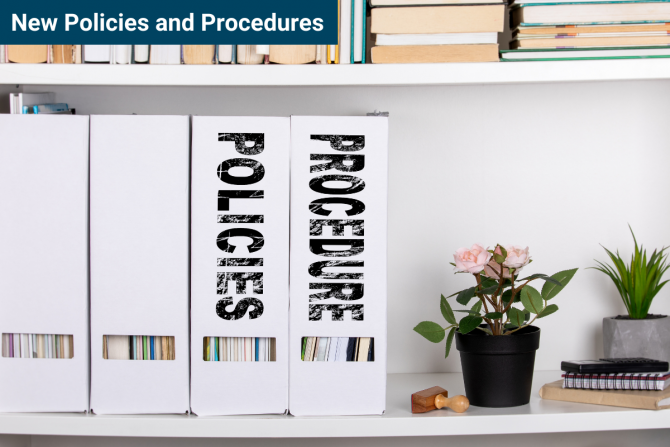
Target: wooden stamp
435,398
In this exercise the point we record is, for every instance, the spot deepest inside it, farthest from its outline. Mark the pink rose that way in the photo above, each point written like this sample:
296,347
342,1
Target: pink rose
492,269
517,257
471,260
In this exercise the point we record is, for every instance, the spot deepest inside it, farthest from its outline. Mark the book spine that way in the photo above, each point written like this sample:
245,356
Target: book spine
365,21
351,41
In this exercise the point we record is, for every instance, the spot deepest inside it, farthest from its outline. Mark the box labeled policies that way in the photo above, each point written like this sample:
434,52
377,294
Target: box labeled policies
139,264
239,265
44,263
337,343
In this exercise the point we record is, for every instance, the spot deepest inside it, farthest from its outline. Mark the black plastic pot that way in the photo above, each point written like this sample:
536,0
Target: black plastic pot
498,370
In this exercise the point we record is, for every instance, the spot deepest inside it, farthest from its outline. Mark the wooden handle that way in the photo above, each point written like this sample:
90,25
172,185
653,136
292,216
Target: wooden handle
457,403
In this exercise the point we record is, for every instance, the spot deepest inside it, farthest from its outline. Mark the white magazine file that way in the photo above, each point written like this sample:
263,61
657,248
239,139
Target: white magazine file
337,160
240,196
44,257
139,259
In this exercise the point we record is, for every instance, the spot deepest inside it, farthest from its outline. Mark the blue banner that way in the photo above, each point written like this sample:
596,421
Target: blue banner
151,22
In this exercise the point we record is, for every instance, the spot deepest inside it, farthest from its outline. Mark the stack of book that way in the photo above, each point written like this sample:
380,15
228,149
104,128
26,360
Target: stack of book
425,31
565,30
633,382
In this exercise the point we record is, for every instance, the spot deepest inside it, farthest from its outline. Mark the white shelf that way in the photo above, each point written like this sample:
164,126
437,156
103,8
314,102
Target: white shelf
540,416
333,75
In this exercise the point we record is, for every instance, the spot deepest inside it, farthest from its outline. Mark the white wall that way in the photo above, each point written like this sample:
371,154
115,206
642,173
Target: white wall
558,167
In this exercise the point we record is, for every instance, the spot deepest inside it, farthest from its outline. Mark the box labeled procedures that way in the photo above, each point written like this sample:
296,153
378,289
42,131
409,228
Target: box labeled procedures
338,265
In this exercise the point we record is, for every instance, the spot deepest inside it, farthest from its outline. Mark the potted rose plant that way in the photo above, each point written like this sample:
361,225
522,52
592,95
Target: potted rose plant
638,334
496,340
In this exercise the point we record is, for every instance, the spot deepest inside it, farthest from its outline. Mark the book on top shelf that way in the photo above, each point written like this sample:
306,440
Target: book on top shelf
28,54
438,19
418,54
121,54
63,54
141,54
292,54
345,31
571,30
97,54
378,3
561,42
436,39
199,54
165,55
224,54
548,54
590,13
247,55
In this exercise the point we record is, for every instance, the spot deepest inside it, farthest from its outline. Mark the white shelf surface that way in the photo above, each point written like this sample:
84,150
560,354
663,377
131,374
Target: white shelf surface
334,75
540,416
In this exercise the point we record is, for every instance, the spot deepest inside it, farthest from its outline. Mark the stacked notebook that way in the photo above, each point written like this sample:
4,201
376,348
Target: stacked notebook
563,30
627,382
421,31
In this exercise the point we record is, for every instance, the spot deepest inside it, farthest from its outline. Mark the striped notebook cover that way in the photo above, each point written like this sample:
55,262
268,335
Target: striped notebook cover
630,381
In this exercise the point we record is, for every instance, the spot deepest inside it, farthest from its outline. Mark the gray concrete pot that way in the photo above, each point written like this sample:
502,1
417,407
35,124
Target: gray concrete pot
648,338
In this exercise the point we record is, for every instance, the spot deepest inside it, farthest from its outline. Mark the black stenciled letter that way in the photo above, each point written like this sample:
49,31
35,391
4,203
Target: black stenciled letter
356,206
336,290
257,239
255,177
337,162
226,195
240,278
316,269
337,142
356,247
241,140
316,311
240,309
316,226
355,184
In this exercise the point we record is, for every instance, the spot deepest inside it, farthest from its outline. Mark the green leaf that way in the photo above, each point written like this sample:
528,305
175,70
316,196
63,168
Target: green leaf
447,313
507,295
469,324
498,258
464,296
532,300
467,311
516,317
450,338
551,289
543,277
550,309
488,290
493,315
477,308
430,331
526,317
